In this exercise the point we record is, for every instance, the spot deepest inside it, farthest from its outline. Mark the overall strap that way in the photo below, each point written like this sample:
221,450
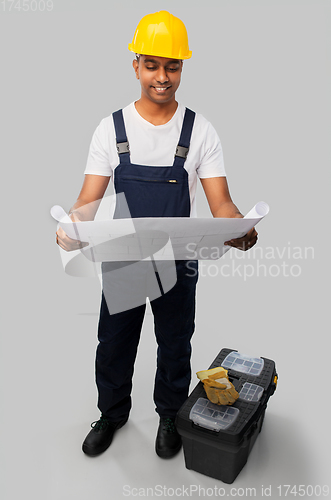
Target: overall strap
122,144
185,138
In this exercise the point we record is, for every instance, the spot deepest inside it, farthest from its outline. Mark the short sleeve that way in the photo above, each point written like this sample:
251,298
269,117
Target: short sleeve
98,162
212,162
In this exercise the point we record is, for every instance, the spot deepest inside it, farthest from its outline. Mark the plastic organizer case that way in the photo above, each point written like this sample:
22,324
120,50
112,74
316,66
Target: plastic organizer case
212,416
243,364
218,439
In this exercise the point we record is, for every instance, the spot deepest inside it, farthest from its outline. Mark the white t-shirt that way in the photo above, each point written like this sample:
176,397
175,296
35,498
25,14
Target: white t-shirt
155,145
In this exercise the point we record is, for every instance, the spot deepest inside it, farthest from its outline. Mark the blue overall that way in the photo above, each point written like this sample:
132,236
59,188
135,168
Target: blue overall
150,191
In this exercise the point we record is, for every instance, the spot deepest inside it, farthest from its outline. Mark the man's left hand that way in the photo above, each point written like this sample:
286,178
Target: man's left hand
244,243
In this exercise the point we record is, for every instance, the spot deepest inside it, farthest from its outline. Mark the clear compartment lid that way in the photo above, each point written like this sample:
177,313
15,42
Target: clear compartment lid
212,416
251,392
243,363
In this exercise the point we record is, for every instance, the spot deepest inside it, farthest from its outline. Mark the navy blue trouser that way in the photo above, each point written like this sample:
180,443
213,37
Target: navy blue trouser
119,335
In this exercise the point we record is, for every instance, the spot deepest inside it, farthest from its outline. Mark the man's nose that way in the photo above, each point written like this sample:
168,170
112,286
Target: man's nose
161,75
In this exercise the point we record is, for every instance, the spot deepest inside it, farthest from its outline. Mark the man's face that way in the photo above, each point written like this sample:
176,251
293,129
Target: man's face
159,77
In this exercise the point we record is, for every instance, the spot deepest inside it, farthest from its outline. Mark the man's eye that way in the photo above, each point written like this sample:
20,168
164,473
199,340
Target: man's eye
153,68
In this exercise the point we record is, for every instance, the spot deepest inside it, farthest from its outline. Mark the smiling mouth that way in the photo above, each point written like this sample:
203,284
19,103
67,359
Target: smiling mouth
161,90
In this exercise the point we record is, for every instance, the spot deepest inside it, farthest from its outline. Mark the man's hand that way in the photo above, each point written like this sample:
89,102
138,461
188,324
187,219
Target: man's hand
64,241
84,209
221,205
68,244
244,243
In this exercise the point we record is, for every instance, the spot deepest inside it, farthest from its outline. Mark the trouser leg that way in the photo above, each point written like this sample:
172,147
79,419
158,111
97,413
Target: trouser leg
118,336
174,315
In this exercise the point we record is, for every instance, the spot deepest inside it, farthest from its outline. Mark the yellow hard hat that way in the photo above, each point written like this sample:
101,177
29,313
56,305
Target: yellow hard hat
162,35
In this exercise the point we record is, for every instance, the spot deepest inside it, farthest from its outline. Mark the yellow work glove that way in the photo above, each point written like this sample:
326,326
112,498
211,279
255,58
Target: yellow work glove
218,388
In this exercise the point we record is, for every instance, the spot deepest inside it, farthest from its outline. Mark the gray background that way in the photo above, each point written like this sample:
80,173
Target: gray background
260,73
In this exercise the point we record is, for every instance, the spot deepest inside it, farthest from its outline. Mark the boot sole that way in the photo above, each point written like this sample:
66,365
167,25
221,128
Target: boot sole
168,453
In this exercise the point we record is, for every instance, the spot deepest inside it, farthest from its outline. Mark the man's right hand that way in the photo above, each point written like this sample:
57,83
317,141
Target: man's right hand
68,244
84,209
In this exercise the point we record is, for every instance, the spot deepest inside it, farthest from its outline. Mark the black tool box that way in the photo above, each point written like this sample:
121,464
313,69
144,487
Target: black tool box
217,439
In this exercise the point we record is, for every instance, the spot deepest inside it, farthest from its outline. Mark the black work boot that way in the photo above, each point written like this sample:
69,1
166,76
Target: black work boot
101,435
168,441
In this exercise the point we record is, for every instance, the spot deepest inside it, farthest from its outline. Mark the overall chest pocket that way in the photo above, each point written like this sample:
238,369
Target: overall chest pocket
144,179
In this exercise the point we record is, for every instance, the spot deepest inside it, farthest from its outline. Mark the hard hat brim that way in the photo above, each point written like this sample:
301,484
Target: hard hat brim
168,56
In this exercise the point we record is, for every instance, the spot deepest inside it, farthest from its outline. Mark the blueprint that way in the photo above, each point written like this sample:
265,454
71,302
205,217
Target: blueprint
157,238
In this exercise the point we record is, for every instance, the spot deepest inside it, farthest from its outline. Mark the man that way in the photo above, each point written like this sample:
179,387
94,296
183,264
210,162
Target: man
162,148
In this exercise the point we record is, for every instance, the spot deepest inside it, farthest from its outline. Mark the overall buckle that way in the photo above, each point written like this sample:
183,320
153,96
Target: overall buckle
122,147
181,151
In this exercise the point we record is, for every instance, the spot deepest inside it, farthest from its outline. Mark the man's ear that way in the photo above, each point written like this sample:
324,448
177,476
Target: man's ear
135,66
